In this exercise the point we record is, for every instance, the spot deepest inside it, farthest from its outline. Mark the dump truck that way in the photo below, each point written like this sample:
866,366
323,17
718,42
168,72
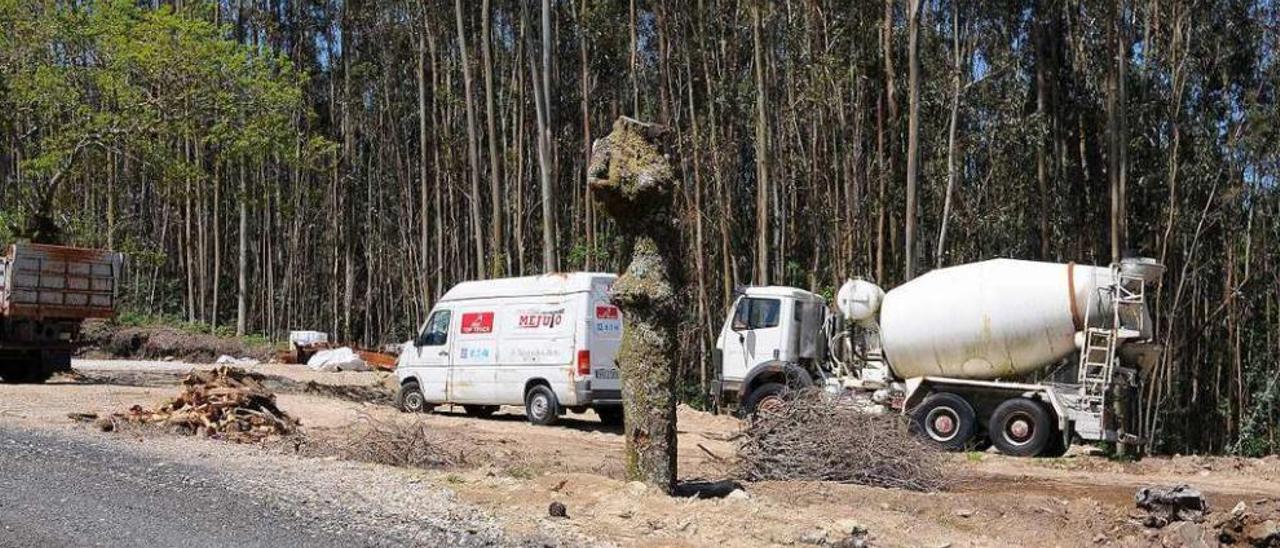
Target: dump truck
46,293
1026,356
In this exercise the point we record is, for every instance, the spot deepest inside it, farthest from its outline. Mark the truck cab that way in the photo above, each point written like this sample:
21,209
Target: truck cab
770,342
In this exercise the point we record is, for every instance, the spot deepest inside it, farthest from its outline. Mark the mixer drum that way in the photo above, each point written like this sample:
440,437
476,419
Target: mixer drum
995,319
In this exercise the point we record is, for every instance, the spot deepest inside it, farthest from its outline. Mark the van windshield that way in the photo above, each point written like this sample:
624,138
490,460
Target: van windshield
437,331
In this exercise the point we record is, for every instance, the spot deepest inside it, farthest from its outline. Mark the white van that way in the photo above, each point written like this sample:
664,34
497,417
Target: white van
545,342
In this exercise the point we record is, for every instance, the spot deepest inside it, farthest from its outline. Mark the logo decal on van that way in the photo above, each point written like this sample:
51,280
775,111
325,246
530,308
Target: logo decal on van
477,322
606,312
535,320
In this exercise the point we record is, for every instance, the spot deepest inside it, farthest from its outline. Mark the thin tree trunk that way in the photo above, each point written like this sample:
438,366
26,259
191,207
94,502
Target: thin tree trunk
473,155
913,131
496,244
242,263
762,154
940,252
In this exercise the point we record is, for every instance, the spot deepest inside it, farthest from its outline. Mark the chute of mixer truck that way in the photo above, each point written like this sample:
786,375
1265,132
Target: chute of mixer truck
1023,355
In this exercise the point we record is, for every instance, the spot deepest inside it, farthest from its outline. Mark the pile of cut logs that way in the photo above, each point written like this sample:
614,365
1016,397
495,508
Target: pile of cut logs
224,403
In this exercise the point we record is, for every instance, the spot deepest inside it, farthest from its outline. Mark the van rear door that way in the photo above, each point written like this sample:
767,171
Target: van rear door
603,339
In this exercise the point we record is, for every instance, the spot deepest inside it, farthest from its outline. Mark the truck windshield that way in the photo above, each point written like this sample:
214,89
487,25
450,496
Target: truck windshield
756,313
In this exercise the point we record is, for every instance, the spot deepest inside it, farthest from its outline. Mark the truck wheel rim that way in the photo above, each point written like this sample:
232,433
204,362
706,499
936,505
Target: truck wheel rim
942,424
770,404
1019,429
413,401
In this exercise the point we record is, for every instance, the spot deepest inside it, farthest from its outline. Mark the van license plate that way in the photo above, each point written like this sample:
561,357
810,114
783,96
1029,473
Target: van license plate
606,373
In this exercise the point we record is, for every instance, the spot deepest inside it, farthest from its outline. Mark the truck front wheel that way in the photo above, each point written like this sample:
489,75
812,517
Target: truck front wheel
946,420
766,397
1021,427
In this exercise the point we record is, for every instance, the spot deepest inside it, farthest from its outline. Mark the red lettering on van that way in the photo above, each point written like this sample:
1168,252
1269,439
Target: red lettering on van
477,323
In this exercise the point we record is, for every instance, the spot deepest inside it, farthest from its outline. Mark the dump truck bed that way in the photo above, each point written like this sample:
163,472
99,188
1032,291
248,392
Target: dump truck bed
47,281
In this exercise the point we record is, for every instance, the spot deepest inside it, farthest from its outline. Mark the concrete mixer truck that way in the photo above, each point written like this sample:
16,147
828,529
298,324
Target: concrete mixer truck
1026,356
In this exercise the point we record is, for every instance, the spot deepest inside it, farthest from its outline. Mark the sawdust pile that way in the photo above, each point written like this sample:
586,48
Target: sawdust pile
224,403
815,436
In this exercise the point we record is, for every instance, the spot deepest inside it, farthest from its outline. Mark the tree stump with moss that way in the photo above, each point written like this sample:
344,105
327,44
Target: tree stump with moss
632,178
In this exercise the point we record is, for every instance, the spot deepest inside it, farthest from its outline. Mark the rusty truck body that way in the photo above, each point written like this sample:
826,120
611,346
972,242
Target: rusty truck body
46,293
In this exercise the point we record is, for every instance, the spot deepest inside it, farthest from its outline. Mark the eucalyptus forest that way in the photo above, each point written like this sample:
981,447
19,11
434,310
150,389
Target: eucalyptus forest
269,165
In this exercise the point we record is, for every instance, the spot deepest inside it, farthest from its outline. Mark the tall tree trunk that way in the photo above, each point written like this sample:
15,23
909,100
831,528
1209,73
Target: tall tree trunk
242,263
423,186
940,252
540,101
635,53
473,156
762,153
496,243
889,136
1042,114
913,131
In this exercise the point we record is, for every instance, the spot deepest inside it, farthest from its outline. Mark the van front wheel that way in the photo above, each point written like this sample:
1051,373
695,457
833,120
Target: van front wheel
541,406
411,400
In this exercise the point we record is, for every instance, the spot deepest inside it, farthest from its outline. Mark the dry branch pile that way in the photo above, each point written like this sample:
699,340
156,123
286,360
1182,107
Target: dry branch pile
394,442
818,437
225,403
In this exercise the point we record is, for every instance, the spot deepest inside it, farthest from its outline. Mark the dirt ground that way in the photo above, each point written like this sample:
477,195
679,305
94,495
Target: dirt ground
515,470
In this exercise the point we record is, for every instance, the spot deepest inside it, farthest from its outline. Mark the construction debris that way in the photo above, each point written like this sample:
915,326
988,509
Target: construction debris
225,403
338,359
815,436
1167,505
1256,524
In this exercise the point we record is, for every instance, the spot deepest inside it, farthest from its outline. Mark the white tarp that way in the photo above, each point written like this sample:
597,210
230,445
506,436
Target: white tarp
338,359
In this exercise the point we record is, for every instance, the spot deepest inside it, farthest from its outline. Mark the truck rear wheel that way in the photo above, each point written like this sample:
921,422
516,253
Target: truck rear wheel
1021,427
541,406
947,420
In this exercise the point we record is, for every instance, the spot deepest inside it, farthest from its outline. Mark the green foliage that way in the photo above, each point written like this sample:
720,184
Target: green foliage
109,75
580,253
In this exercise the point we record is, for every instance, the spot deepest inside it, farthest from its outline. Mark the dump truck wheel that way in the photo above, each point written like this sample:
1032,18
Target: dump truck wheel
947,420
541,406
1021,427
611,416
766,397
479,411
410,399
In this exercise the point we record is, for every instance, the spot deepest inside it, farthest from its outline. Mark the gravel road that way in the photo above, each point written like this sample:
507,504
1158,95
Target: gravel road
73,487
